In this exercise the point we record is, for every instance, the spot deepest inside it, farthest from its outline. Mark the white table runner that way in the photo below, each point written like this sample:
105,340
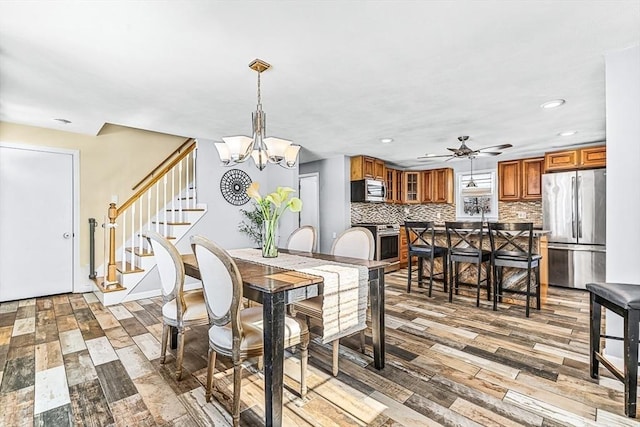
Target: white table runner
344,303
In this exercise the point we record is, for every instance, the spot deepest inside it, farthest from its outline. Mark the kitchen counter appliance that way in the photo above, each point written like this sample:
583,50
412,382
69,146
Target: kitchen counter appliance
574,211
368,190
387,239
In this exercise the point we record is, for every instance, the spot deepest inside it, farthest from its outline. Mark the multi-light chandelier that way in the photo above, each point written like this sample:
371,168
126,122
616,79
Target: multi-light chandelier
263,150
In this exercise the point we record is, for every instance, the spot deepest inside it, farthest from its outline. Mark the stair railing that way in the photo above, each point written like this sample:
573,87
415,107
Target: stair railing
150,205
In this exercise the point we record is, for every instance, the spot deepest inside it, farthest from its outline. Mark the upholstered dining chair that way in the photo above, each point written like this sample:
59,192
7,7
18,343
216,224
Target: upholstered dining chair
354,242
180,309
234,331
302,239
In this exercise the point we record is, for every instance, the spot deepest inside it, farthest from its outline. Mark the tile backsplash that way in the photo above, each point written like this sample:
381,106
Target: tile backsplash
397,214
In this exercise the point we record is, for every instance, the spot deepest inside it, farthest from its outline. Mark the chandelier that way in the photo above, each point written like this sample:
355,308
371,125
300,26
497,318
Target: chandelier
263,150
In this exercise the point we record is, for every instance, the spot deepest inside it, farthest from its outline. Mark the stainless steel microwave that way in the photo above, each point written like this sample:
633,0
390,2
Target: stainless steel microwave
368,190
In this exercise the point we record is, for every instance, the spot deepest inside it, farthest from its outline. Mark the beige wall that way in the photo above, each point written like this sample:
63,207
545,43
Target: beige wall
110,164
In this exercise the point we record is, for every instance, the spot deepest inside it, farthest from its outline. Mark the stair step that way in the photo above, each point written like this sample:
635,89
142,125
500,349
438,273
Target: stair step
137,251
171,223
128,268
112,287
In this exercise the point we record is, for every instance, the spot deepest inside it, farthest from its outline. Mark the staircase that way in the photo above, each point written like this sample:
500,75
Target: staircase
168,204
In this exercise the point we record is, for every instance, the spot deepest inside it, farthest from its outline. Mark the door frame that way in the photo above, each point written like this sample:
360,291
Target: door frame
77,285
309,175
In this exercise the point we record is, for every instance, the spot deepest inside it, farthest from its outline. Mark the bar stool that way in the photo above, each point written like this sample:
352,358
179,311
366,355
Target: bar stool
420,240
624,300
464,243
508,250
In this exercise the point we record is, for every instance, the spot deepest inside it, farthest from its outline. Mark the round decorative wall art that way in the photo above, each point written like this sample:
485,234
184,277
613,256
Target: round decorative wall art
233,185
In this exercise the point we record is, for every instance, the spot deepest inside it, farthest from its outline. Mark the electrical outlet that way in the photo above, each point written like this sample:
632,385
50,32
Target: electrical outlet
334,235
522,215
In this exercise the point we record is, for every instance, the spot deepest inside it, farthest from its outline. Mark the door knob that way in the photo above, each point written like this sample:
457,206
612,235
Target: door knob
66,235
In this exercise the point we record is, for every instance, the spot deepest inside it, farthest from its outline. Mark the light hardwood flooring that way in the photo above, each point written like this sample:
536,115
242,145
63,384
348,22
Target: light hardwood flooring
67,360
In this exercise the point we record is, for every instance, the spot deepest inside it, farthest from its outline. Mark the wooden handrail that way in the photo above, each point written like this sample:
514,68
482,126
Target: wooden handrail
157,178
178,150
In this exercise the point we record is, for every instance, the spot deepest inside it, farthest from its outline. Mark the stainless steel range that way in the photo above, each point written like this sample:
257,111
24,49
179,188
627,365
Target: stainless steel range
386,237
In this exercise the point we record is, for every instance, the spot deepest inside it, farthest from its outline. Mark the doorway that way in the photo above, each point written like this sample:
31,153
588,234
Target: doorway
38,230
309,192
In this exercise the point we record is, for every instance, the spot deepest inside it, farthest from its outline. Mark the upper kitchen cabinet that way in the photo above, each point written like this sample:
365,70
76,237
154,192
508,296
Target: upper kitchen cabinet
443,185
591,157
364,167
394,185
437,186
411,186
520,179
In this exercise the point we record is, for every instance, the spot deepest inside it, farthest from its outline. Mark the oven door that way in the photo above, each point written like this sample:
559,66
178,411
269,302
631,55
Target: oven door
387,247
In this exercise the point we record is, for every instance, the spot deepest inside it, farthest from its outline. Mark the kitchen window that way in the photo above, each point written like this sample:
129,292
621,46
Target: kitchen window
468,207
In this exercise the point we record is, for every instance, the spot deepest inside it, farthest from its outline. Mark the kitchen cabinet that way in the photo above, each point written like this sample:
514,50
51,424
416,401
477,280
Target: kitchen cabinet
590,157
593,157
403,249
427,186
437,186
443,185
394,185
520,179
364,167
411,187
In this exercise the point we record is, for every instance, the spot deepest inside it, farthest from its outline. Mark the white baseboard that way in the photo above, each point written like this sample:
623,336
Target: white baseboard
188,286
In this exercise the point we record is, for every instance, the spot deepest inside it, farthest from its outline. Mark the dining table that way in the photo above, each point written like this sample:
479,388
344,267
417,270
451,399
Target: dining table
275,288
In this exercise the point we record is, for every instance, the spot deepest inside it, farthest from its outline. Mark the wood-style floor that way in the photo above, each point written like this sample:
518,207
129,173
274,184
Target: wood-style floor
67,360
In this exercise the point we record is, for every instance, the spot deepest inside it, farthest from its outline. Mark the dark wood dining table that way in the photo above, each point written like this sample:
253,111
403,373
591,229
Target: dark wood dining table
275,288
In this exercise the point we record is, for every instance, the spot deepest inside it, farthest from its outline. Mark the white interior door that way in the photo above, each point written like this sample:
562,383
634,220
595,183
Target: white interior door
309,190
36,222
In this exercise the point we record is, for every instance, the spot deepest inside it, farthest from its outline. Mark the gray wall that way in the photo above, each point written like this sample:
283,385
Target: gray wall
335,197
623,174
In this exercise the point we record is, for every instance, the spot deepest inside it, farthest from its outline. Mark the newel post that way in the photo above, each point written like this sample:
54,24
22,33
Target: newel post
111,269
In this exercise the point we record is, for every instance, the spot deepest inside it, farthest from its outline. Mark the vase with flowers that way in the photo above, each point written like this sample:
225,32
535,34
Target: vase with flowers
272,206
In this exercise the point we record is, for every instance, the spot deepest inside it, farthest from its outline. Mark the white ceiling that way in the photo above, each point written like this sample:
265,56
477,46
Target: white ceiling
344,75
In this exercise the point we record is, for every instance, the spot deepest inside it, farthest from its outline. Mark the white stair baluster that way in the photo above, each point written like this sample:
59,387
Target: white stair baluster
133,232
140,238
195,179
158,207
124,240
147,249
187,180
173,194
180,217
164,203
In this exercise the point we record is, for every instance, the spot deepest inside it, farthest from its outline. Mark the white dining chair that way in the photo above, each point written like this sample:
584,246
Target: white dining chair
355,242
179,309
235,331
302,239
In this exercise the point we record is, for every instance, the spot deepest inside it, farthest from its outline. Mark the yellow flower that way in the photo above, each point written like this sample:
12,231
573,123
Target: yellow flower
274,204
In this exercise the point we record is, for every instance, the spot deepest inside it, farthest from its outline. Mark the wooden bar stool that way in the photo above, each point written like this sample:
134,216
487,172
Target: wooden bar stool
420,240
624,300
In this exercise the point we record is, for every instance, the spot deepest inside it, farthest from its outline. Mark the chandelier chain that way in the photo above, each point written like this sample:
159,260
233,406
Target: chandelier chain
259,98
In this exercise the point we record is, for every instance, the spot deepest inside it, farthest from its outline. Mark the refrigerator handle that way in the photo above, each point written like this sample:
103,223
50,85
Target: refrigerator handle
579,207
573,206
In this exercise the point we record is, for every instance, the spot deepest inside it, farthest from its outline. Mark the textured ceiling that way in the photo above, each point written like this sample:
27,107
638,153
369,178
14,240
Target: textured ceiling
345,74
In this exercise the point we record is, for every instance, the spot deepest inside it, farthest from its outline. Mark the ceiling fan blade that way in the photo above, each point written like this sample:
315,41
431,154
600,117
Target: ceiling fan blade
495,147
435,157
486,153
455,150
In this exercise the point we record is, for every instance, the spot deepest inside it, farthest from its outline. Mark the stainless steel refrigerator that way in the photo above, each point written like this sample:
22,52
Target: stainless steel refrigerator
574,211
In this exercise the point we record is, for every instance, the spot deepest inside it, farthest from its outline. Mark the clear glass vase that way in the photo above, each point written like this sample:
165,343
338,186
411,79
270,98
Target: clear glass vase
270,239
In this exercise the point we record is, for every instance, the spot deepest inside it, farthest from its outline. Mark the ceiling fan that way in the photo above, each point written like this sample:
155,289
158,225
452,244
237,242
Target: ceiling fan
464,151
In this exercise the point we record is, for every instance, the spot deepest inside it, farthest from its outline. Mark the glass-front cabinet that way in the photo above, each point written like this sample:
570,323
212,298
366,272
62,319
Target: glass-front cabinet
411,186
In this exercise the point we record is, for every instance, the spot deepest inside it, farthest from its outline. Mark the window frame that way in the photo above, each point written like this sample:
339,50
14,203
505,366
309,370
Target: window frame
464,177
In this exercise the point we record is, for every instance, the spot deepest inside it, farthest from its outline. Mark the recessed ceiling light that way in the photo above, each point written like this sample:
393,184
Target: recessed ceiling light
553,103
568,133
65,121
386,140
